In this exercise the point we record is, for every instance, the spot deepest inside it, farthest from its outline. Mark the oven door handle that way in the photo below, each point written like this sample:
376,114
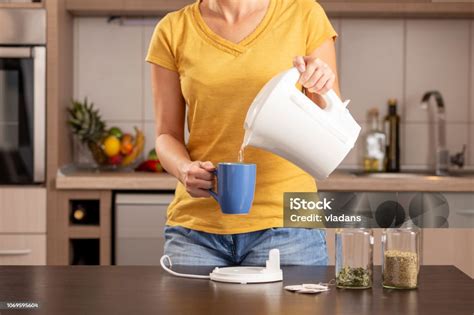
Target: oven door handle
15,52
39,137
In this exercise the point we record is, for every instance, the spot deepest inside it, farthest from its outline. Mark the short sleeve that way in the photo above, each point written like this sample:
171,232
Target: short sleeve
319,28
160,51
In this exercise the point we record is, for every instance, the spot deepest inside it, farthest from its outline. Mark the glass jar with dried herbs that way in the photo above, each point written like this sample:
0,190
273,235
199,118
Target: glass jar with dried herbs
354,258
401,263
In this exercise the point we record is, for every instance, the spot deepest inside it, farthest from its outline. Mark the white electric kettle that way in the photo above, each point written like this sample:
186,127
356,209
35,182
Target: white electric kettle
286,122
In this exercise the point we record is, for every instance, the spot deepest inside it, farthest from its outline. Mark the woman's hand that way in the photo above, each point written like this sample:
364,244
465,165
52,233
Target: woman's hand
316,75
198,178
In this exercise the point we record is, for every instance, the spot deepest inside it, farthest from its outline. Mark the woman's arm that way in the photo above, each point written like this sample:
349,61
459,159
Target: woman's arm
319,71
169,145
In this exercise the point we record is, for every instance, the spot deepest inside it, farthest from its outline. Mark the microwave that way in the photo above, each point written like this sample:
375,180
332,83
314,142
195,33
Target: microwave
22,96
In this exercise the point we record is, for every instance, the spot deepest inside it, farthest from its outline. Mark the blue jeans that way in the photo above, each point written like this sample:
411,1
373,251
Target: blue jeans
297,246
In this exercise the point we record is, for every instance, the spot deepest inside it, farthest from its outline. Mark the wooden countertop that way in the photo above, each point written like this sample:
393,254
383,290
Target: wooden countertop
69,178
149,290
344,181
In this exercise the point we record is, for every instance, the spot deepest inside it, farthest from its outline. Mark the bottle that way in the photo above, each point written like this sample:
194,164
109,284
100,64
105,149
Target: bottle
354,258
79,215
392,131
84,212
375,144
401,258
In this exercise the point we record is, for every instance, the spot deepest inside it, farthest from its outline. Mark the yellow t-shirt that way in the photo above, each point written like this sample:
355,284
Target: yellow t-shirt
219,80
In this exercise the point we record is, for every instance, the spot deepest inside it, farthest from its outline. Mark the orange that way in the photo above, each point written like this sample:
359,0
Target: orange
126,148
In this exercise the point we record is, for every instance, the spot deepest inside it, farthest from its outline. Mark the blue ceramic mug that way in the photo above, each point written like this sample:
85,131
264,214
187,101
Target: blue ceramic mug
235,187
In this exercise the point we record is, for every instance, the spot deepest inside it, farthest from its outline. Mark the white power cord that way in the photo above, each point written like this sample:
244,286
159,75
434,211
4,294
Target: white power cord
177,274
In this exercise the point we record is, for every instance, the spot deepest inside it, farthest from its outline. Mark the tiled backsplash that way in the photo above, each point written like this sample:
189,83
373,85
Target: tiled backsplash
377,59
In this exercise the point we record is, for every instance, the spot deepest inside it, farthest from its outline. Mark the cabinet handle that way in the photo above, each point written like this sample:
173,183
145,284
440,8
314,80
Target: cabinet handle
15,252
466,212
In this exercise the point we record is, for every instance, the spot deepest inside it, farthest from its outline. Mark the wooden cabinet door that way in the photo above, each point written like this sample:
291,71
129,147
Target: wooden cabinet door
449,247
22,210
22,249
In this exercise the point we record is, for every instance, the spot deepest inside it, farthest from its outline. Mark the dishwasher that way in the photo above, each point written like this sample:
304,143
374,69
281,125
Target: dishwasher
139,220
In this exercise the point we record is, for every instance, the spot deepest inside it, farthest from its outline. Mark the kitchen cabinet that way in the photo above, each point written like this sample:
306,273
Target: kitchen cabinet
22,249
460,209
22,210
139,223
21,5
67,232
400,8
451,1
124,7
23,226
463,245
439,246
449,247
334,8
137,219
458,242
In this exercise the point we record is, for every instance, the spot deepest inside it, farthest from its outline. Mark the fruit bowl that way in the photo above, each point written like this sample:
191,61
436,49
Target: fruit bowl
117,149
109,148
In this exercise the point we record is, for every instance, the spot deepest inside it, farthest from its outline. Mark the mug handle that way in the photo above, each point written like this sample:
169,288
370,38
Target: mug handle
214,194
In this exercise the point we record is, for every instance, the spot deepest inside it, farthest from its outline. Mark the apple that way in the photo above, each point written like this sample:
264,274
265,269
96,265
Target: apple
115,160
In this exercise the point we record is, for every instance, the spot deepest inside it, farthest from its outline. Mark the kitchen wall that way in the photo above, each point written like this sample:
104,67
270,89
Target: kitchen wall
378,59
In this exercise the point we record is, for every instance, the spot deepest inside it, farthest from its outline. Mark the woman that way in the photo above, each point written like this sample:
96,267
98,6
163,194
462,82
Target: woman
214,56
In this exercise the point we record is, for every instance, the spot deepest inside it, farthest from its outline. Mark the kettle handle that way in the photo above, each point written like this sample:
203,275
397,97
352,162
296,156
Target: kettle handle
331,98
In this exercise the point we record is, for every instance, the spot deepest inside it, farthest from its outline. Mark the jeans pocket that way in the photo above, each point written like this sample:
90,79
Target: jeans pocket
169,231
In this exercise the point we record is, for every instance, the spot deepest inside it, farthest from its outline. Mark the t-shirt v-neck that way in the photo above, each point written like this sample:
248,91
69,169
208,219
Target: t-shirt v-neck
220,42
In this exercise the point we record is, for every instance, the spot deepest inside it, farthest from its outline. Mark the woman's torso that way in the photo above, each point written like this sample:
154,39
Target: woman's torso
219,80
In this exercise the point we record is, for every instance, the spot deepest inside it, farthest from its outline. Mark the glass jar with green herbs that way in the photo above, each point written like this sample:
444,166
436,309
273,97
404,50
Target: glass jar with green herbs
354,258
401,263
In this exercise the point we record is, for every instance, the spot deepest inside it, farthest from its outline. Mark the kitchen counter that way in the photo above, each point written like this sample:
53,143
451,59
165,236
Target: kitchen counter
69,178
345,181
149,290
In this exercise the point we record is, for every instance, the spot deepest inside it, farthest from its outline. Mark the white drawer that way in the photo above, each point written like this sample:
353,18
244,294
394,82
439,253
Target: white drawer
139,251
144,221
21,249
141,215
23,210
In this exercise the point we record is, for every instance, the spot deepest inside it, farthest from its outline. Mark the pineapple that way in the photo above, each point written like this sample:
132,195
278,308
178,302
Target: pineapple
88,126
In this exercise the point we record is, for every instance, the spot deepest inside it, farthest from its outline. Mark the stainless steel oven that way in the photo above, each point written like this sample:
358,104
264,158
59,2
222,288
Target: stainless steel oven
22,96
